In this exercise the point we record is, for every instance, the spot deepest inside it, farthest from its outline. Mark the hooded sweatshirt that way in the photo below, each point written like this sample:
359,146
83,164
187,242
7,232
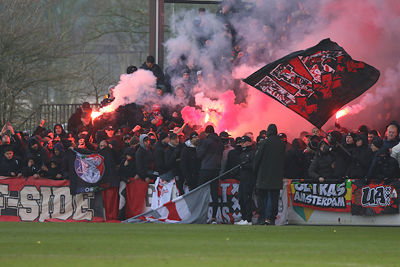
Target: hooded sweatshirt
144,159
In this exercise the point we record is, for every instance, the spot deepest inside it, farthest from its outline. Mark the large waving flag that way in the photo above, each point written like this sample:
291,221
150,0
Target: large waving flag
315,83
189,208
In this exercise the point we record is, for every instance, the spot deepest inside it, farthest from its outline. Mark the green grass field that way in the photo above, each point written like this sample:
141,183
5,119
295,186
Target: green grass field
102,244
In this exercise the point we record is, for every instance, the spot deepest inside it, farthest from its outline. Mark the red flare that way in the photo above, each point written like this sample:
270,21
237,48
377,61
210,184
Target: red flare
342,113
103,110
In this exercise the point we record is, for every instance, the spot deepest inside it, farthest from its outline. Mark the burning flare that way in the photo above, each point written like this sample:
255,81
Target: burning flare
206,118
103,110
342,113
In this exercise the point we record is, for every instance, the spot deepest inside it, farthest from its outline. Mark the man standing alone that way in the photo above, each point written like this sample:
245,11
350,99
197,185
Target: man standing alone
268,165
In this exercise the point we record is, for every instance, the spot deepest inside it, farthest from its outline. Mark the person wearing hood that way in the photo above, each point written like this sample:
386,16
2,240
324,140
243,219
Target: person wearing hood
209,152
144,159
321,168
234,160
269,167
9,165
189,163
383,166
58,153
172,160
361,158
159,153
343,154
295,160
59,131
36,152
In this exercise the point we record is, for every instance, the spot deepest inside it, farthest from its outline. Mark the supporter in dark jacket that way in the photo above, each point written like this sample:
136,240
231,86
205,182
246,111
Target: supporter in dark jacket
59,131
269,167
36,152
30,169
361,158
53,171
144,159
127,167
159,153
172,160
58,153
342,155
247,179
154,68
234,160
9,165
321,168
295,160
209,152
310,152
383,166
189,164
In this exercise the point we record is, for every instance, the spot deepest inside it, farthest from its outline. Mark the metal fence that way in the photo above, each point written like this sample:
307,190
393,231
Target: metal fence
52,114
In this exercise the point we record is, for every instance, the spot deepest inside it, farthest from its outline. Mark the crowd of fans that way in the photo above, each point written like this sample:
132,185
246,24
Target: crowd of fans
193,158
151,141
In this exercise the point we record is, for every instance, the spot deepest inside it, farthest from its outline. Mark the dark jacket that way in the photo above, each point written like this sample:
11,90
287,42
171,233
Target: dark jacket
159,157
29,171
209,152
156,70
343,159
383,167
295,161
39,155
172,158
9,166
360,162
189,165
232,161
51,173
128,171
60,157
63,134
322,166
144,161
247,160
269,163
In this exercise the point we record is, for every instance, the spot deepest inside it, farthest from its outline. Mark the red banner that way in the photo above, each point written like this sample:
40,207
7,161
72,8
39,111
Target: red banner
47,200
136,197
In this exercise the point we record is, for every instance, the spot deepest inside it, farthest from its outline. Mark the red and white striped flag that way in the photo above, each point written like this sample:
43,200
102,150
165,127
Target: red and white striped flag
189,208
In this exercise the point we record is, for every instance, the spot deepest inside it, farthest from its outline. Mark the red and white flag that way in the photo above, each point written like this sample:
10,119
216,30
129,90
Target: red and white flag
189,208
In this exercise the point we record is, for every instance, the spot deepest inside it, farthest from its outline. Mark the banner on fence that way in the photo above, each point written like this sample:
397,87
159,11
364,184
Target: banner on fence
375,198
328,197
47,200
229,209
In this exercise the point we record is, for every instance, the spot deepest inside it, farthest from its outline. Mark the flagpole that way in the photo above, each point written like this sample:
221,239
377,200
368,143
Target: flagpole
216,178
